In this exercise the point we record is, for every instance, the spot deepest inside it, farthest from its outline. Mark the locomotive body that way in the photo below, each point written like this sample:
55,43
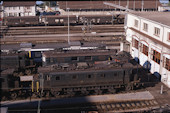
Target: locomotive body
72,56
85,78
19,61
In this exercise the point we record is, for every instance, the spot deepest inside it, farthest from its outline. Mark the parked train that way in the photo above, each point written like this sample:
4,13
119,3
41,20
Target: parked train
62,20
80,78
21,62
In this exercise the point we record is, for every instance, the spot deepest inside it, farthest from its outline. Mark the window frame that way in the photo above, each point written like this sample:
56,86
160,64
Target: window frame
135,43
89,76
155,56
168,36
102,75
136,23
57,78
74,77
157,31
77,58
88,58
144,49
166,63
145,27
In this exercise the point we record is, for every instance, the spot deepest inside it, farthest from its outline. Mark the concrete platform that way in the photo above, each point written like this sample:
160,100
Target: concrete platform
145,95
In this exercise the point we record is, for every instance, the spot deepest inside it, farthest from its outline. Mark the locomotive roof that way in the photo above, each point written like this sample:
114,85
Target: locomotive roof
12,54
7,71
78,53
121,60
97,66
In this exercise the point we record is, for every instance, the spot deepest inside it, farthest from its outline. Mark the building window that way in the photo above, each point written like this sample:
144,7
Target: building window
88,57
136,23
169,36
135,43
145,26
51,59
5,14
28,8
144,49
14,8
48,77
166,63
15,14
89,76
102,75
155,56
74,58
57,78
11,14
101,57
156,31
115,74
74,77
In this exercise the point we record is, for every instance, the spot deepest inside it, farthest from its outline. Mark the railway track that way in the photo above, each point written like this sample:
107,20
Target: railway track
61,30
110,107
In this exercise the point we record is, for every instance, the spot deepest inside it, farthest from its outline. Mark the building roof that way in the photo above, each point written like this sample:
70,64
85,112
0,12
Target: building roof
18,3
148,4
160,17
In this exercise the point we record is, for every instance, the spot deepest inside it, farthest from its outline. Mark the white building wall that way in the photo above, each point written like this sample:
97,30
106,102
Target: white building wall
166,33
164,30
20,11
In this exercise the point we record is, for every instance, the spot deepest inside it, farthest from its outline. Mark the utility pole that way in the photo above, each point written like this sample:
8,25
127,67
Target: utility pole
127,4
42,88
142,5
68,26
134,5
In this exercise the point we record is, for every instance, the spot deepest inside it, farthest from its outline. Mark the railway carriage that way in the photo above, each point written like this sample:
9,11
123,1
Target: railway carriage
58,20
96,19
21,21
71,56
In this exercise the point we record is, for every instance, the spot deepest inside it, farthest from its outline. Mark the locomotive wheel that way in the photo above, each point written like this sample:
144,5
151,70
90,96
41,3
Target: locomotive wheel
4,98
129,87
15,74
27,71
84,92
113,91
98,92
13,95
71,93
21,74
55,93
47,94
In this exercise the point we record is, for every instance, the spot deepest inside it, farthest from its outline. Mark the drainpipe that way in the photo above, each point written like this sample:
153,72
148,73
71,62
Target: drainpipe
161,57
